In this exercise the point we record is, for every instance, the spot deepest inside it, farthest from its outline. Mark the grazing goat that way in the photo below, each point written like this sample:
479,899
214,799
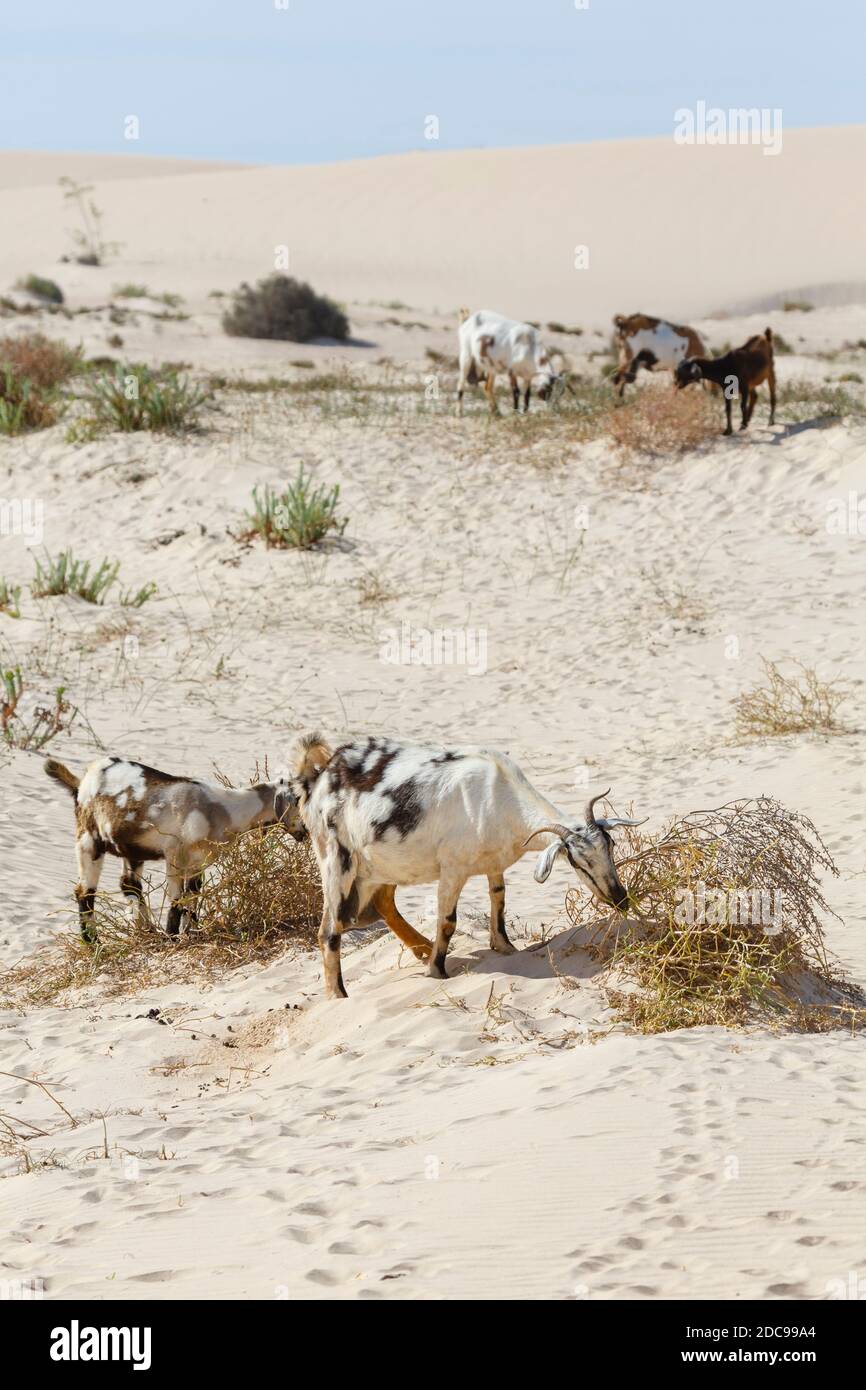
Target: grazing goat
655,344
739,373
488,344
381,812
132,811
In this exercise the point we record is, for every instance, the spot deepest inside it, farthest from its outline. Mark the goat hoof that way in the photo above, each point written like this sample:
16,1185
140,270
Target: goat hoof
436,971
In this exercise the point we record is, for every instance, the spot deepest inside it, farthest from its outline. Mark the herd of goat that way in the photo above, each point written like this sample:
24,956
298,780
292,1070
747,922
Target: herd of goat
381,814
491,345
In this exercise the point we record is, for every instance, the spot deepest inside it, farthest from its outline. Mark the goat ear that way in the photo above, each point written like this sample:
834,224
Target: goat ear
546,858
614,821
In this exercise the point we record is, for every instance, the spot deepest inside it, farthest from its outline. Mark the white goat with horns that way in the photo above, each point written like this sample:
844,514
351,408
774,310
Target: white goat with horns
386,813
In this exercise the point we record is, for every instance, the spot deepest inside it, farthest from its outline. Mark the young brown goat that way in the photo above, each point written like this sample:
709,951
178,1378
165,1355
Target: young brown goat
739,373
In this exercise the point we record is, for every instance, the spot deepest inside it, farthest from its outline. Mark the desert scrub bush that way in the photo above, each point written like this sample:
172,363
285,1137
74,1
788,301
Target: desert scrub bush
726,925
796,704
791,306
45,289
808,400
297,518
373,589
42,361
32,368
31,728
10,598
281,307
91,248
63,574
661,421
135,398
261,897
23,407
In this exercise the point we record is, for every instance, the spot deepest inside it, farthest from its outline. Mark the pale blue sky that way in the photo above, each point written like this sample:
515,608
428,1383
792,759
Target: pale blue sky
338,79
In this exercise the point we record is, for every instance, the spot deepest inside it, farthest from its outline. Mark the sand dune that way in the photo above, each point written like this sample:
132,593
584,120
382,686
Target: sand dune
673,230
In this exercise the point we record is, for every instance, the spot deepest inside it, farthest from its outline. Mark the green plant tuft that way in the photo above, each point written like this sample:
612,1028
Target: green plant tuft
297,518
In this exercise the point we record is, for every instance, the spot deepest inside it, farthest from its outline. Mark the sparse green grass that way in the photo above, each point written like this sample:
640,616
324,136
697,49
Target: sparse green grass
137,598
10,598
135,291
796,704
807,400
299,517
135,398
33,730
63,574
22,407
45,289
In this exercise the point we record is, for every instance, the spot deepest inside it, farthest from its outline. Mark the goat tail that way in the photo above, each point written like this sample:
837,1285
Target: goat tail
768,334
62,774
309,755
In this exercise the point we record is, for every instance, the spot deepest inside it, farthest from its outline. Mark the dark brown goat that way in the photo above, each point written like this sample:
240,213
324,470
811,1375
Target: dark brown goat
739,373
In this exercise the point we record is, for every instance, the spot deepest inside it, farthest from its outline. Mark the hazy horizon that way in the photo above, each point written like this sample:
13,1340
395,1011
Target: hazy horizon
331,82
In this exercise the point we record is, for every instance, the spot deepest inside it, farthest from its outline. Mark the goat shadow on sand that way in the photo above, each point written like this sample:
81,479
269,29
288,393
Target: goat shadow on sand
563,956
820,422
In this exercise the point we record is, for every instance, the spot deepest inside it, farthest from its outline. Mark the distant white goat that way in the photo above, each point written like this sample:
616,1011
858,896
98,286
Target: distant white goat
138,814
381,812
491,344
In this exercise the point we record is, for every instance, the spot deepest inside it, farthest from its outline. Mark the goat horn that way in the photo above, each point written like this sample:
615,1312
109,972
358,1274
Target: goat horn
561,830
588,813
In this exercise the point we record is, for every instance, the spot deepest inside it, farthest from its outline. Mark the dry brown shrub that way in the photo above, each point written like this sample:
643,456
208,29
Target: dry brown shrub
37,359
790,704
662,421
261,897
750,859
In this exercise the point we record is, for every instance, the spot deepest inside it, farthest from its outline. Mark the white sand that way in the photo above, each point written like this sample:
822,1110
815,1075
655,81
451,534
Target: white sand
411,1141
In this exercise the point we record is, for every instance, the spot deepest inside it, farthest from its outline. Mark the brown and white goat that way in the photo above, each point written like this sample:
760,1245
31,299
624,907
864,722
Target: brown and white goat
739,373
490,344
133,811
138,814
654,344
383,813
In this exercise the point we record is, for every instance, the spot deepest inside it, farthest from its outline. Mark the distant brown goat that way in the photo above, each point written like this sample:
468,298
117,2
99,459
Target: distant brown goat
739,373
